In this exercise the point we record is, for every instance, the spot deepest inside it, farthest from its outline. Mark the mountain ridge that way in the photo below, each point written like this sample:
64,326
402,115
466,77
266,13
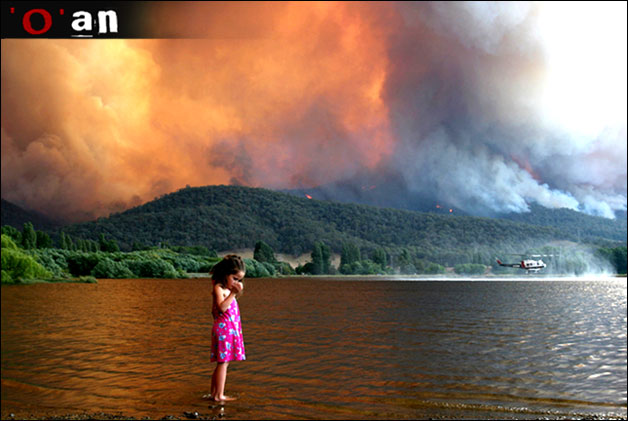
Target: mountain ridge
235,217
16,216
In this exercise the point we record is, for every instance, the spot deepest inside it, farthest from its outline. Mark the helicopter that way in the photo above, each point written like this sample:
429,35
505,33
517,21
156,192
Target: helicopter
530,265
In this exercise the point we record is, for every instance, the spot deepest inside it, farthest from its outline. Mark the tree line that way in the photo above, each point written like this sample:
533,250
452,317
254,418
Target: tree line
38,255
25,259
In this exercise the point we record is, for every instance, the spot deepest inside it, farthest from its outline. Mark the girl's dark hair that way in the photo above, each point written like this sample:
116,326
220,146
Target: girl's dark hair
229,265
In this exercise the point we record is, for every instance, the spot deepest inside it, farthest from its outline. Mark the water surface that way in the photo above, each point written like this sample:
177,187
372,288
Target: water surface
320,348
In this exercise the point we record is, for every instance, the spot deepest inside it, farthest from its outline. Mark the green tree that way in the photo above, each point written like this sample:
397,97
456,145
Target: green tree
12,232
63,240
264,253
620,255
113,246
137,246
29,237
92,246
69,243
321,259
317,259
8,242
81,264
107,268
18,266
404,259
326,254
379,257
434,268
43,240
152,268
350,254
407,269
102,243
108,246
616,256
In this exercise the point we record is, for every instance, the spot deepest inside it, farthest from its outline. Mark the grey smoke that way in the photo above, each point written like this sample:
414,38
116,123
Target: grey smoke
462,98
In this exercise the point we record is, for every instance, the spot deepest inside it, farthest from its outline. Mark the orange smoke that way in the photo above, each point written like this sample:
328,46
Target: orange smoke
278,95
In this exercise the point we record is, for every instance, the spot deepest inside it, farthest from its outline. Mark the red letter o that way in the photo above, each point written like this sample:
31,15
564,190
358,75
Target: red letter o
26,21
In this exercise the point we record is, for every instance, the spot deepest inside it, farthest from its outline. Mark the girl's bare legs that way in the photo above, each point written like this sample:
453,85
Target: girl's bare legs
213,389
212,392
219,379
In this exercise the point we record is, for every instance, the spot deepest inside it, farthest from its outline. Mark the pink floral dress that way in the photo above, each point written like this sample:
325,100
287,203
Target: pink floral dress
227,341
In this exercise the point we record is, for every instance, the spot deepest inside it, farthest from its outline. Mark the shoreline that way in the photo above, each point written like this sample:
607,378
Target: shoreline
73,414
364,278
29,415
219,415
444,277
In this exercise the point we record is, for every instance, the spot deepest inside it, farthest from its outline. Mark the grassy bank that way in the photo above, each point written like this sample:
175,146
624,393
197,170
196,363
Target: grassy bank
80,280
27,266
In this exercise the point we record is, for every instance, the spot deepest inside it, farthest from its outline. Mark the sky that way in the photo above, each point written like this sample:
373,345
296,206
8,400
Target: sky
489,106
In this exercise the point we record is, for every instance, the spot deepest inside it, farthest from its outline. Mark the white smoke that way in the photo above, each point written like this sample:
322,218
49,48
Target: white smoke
466,101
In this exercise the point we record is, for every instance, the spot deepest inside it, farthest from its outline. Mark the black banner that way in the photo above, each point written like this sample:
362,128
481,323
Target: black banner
74,19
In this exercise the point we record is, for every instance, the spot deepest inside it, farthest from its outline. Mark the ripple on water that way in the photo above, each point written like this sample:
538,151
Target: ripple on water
323,349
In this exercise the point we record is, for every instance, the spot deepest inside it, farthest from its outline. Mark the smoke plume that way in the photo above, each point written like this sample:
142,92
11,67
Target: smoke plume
447,97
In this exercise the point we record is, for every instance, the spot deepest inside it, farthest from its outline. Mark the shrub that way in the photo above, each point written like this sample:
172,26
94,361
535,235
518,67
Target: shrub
469,269
408,269
8,243
368,267
255,269
13,233
284,268
306,268
186,263
434,268
82,264
6,277
206,265
152,268
107,268
88,280
270,268
48,262
346,269
18,266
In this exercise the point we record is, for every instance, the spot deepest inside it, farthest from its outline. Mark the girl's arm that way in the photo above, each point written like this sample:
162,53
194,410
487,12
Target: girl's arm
222,302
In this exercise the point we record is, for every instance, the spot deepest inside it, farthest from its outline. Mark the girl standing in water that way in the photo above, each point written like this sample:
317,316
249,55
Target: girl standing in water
227,341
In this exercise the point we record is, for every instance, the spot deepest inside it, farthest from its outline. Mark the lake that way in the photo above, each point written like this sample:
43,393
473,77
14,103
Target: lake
321,348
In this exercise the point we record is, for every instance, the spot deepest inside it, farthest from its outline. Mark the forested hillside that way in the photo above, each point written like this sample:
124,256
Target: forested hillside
231,217
15,216
583,227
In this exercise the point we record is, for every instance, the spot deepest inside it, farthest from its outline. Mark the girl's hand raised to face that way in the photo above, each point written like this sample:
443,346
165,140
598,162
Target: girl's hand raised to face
237,287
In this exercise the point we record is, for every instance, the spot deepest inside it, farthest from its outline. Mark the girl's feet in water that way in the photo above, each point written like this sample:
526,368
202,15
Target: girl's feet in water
224,398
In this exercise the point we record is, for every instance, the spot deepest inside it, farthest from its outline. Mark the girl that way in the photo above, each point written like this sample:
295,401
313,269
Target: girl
227,342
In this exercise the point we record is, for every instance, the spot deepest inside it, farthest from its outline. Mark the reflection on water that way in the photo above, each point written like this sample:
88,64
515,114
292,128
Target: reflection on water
322,348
